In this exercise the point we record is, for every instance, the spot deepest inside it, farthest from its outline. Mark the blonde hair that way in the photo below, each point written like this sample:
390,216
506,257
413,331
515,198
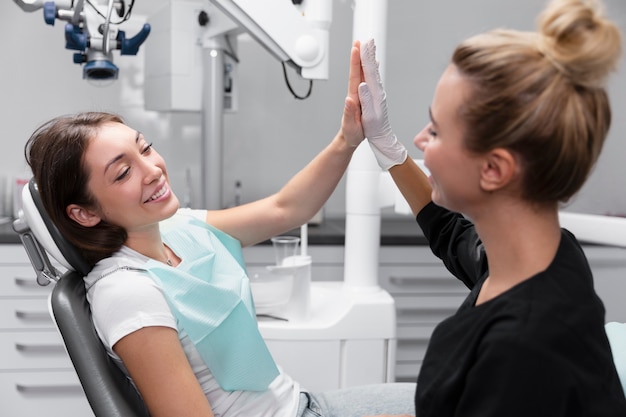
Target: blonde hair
542,95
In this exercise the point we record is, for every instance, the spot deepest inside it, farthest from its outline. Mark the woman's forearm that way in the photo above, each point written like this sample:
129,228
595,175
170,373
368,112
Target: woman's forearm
306,193
413,184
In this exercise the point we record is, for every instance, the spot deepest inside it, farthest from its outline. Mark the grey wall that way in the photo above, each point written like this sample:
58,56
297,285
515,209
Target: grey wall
273,135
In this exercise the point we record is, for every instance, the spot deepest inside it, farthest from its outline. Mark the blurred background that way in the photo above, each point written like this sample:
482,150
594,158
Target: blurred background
272,135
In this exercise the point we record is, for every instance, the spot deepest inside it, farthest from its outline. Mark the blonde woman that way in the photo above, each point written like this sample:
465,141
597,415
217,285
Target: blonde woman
517,122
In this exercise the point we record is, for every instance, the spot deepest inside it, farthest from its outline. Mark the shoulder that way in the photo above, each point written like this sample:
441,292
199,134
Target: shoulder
120,265
124,298
453,239
120,283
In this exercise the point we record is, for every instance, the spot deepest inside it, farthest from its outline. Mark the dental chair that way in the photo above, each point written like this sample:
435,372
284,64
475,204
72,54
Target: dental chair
108,391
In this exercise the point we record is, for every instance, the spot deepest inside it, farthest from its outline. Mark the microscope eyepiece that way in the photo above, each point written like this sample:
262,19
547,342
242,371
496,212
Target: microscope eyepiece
100,70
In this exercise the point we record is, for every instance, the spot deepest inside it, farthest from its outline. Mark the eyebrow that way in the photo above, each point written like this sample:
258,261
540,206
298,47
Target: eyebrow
120,156
430,115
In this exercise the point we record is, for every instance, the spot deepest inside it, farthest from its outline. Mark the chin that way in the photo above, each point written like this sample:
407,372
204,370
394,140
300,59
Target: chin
436,198
173,205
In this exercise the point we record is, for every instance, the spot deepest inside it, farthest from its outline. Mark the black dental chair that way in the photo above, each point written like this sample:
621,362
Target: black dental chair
109,392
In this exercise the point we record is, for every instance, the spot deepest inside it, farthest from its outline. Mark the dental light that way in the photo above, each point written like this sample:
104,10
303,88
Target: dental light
91,29
295,33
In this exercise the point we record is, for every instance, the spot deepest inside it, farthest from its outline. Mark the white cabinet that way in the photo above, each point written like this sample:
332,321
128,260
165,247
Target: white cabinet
36,375
425,293
49,393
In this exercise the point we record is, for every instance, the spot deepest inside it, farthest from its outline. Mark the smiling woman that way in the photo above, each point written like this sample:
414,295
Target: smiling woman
168,290
517,122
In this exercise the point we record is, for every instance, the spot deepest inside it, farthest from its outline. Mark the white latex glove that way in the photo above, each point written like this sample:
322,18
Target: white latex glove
386,147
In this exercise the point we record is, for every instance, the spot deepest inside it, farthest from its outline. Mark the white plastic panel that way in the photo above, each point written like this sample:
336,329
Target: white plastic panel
21,314
50,394
33,350
315,364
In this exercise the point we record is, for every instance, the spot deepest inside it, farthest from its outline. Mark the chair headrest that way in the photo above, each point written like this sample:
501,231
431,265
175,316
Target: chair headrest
47,233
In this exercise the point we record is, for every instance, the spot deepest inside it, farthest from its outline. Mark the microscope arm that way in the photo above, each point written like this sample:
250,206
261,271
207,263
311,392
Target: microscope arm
292,31
33,5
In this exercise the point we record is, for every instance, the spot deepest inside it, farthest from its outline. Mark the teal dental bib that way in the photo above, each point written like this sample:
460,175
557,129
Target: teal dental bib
209,294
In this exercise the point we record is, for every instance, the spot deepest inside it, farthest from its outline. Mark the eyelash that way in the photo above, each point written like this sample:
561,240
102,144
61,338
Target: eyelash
432,133
123,174
127,170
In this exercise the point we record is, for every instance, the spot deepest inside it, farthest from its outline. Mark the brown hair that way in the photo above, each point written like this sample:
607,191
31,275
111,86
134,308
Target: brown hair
542,95
55,154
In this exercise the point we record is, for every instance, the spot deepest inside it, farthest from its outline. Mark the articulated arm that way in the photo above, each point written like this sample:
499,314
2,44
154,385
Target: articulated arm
292,31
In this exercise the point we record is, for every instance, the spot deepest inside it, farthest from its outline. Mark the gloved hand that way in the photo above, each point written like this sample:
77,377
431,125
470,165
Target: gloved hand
386,147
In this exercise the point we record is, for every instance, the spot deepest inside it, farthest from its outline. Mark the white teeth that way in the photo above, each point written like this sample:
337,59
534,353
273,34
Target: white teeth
158,194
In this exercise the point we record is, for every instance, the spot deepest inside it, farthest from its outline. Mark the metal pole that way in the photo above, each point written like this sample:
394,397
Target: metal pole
212,128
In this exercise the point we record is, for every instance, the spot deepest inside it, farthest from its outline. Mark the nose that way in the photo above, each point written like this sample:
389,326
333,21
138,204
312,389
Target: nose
152,172
422,138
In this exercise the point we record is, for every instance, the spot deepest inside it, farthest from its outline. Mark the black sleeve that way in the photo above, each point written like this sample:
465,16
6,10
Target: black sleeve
454,240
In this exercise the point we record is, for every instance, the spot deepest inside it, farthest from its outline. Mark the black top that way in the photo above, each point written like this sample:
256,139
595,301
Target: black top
539,349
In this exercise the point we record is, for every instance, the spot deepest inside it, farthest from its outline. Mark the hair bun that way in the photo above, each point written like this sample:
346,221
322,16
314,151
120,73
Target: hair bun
579,41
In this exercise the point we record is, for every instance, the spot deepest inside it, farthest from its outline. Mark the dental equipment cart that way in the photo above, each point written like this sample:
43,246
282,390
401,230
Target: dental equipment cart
348,339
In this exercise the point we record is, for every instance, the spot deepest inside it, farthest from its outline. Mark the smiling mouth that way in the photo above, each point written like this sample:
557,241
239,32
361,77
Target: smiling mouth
158,194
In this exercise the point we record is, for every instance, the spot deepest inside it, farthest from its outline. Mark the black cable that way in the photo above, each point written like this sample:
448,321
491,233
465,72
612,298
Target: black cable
291,89
230,52
123,19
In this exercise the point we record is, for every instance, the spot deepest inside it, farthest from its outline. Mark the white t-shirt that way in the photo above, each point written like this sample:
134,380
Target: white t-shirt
127,300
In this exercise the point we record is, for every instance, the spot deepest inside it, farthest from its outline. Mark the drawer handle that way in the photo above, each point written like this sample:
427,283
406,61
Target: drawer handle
26,282
49,389
427,310
442,284
43,348
440,279
33,315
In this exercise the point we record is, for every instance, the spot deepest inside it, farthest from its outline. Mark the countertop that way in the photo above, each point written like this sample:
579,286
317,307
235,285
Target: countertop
402,231
397,231
393,232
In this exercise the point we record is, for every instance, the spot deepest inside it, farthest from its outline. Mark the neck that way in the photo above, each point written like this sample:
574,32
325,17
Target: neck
148,242
520,241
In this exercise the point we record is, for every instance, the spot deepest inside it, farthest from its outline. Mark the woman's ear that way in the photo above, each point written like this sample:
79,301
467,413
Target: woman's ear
499,169
82,216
